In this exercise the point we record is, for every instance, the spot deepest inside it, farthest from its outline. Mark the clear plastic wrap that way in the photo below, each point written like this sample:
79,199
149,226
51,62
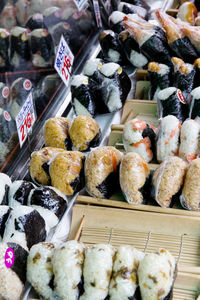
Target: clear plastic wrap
194,102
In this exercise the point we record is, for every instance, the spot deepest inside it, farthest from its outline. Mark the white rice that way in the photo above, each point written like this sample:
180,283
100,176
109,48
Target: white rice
156,274
109,69
91,66
67,267
97,271
196,93
137,59
4,180
80,109
16,31
13,189
114,55
77,80
50,10
114,102
116,17
166,145
40,269
166,93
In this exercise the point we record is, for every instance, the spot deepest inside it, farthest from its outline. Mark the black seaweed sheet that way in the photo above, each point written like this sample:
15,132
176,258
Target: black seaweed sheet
128,43
197,78
150,133
5,196
22,48
3,220
42,45
36,21
95,141
118,27
108,187
79,181
184,49
4,54
158,81
21,195
197,3
184,82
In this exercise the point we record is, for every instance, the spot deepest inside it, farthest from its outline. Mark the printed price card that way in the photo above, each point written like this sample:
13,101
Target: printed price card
25,119
64,61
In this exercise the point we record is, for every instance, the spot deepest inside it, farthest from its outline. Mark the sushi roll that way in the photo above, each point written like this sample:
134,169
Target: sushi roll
40,269
5,183
134,178
156,273
178,42
12,279
116,86
18,193
4,49
35,21
56,133
128,8
194,104
83,99
8,17
187,12
168,138
84,133
25,226
115,21
52,16
167,181
41,48
4,94
4,214
189,142
19,48
97,271
139,137
110,46
171,101
39,164
184,75
190,194
66,172
132,50
22,11
68,262
160,78
124,281
102,171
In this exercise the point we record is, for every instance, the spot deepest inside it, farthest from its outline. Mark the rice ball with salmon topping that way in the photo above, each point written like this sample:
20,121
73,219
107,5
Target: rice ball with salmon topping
134,178
139,137
102,171
168,179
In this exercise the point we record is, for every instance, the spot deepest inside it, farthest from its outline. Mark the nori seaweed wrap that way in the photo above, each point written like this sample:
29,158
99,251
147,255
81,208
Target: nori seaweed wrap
5,183
194,102
111,48
18,193
58,30
115,21
128,8
52,16
183,76
171,101
4,214
196,82
4,93
160,78
35,21
197,4
4,49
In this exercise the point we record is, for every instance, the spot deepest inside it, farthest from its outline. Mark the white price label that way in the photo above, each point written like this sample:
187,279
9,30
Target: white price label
64,61
80,4
25,119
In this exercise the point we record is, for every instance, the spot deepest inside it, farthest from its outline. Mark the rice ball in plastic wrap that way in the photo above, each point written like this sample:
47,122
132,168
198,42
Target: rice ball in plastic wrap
191,190
168,137
39,164
40,269
134,178
139,137
5,183
187,12
84,133
12,278
168,179
102,171
66,172
56,133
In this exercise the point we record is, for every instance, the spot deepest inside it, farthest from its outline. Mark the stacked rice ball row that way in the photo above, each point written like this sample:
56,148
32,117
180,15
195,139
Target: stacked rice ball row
74,271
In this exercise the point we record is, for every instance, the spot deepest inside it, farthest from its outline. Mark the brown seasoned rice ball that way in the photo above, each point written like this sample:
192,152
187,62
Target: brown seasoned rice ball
168,179
38,159
66,172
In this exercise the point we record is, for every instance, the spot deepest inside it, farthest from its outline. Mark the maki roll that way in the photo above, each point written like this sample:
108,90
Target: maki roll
189,145
102,171
18,193
132,50
4,49
167,181
8,17
171,101
68,262
194,98
115,21
184,75
19,48
83,99
128,8
97,271
26,226
56,131
84,133
139,137
39,164
4,214
160,78
111,48
66,172
116,86
196,82
124,281
178,43
52,16
168,138
134,178
12,279
5,183
156,274
190,193
187,12
22,11
40,269
35,21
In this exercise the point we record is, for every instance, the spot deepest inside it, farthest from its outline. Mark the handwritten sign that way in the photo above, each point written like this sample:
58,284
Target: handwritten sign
9,258
25,119
64,61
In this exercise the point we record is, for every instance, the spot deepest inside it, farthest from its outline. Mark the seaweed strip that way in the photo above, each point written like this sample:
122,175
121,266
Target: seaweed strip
150,133
184,49
81,287
3,220
78,183
158,81
68,143
146,189
45,167
124,85
21,195
19,266
95,141
5,197
184,82
110,184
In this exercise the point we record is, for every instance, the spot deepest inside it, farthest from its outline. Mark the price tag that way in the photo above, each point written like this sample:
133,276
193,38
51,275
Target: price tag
25,119
97,13
80,4
64,61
